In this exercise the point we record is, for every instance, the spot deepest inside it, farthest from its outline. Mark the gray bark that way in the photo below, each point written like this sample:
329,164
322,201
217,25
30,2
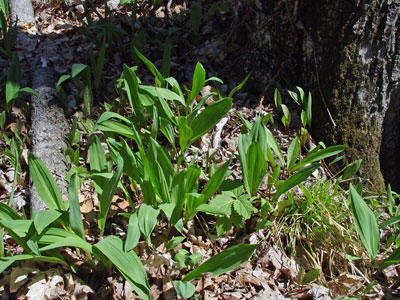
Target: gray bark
22,11
348,54
48,123
48,130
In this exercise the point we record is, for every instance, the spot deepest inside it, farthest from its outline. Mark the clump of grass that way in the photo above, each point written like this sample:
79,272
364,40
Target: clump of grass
316,229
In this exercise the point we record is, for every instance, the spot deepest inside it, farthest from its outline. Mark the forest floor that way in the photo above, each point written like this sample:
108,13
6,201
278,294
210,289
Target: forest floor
306,245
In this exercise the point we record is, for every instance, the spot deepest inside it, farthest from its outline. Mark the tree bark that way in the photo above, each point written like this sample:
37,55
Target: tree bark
48,123
347,53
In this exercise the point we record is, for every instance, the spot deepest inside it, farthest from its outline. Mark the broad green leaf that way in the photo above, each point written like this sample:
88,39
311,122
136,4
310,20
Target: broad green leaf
44,183
116,127
215,181
293,153
7,213
318,155
351,169
220,205
391,221
223,262
193,200
258,133
98,162
185,133
44,218
29,91
13,81
159,78
147,217
310,276
243,145
5,262
390,201
133,233
184,289
209,117
62,79
132,89
295,179
53,237
198,81
244,208
274,146
127,263
164,93
18,229
277,98
256,168
366,224
75,217
171,244
108,193
77,69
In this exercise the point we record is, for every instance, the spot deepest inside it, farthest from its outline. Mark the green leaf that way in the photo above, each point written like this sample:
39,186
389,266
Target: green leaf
171,244
351,169
244,208
237,88
147,220
75,217
77,69
277,99
133,234
44,183
44,218
391,221
29,91
127,263
366,224
184,289
98,67
53,237
394,258
198,81
108,193
223,262
62,79
159,78
7,213
271,141
215,181
256,168
310,276
295,179
164,93
318,155
97,161
209,117
293,153
13,81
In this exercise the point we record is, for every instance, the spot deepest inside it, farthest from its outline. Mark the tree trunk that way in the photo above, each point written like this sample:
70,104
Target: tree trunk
49,126
347,52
